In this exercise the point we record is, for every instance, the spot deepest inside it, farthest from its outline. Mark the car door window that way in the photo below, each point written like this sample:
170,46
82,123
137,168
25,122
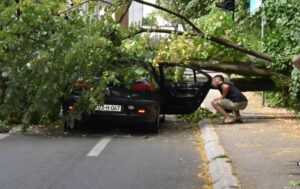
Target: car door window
200,77
184,87
179,74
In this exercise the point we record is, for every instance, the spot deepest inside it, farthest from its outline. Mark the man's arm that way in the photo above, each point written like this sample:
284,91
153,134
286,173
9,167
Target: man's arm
225,90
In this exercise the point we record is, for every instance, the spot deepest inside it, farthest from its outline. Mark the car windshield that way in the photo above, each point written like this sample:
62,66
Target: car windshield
126,77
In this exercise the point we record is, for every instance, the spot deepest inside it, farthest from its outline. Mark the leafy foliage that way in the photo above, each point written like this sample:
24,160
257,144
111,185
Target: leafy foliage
141,47
281,40
183,48
43,54
176,49
190,8
4,127
150,21
200,113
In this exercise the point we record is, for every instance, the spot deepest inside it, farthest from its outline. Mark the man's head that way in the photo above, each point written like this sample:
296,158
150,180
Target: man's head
217,80
296,61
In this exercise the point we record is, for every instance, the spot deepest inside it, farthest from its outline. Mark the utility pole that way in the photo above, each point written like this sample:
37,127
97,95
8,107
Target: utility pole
254,6
263,22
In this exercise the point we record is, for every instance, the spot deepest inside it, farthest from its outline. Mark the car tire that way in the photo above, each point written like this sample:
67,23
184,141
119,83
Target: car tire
162,118
72,124
154,127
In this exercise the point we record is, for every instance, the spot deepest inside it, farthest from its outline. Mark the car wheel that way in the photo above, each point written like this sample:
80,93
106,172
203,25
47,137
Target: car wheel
154,127
71,124
162,118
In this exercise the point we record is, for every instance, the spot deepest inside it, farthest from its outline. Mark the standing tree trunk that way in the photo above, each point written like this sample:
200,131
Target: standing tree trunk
3,87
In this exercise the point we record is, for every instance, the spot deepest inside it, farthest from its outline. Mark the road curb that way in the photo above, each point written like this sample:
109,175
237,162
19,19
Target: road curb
219,163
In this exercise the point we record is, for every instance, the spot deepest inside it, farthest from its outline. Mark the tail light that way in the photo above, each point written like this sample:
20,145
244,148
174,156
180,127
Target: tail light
70,107
80,85
141,110
143,86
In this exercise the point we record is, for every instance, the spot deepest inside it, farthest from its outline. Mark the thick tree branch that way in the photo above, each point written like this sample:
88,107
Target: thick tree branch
215,39
125,12
241,68
232,45
173,13
218,40
256,84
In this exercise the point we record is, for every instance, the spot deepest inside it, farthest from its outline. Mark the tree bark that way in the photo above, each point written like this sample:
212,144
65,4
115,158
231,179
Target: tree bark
3,87
256,84
241,68
215,39
125,11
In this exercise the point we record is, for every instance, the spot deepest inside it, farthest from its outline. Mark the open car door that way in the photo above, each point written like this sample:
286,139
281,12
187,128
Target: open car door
183,88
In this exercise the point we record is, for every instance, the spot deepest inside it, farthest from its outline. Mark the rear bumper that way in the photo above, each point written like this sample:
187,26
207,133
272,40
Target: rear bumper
129,113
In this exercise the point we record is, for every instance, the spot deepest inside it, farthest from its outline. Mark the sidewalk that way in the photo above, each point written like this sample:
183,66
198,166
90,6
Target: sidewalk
265,149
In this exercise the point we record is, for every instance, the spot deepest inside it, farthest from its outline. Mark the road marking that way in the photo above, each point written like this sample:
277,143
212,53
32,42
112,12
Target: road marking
2,136
99,147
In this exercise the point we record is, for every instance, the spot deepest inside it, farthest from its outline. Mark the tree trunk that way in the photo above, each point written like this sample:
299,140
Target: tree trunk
256,84
241,68
121,11
3,87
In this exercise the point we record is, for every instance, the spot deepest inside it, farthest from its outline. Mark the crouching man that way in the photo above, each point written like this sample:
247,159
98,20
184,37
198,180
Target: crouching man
231,99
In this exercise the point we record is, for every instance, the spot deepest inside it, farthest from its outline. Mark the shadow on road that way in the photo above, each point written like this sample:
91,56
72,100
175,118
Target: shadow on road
169,127
94,127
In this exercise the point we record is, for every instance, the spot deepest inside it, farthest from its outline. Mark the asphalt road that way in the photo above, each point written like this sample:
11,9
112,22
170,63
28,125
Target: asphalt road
111,159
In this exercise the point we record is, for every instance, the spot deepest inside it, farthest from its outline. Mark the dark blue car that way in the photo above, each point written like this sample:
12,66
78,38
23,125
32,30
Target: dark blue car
172,89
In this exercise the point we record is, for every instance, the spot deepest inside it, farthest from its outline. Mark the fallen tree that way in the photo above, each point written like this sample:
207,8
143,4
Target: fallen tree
256,84
263,82
228,67
240,68
215,39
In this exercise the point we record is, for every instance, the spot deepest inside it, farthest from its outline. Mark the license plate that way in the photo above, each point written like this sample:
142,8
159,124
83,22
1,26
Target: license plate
109,108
